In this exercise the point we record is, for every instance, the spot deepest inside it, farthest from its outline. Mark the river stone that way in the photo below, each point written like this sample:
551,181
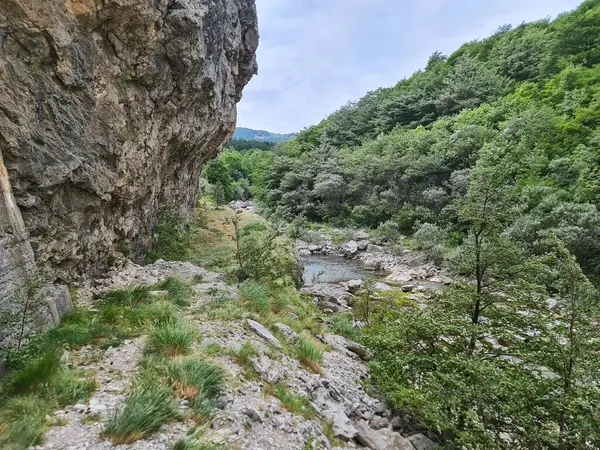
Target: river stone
422,442
354,285
381,286
369,437
399,276
351,248
362,245
264,333
440,279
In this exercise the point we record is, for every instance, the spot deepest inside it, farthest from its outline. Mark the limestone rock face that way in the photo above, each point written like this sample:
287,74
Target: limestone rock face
108,110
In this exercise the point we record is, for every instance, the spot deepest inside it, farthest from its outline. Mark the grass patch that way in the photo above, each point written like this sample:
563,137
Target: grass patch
192,444
343,325
160,312
91,418
179,292
257,297
134,296
192,378
23,422
309,354
173,338
295,404
143,411
242,356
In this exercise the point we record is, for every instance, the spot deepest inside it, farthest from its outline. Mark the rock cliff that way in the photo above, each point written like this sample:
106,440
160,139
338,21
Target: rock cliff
108,110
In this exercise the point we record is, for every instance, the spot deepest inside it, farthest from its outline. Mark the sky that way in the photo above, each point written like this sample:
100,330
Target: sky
316,55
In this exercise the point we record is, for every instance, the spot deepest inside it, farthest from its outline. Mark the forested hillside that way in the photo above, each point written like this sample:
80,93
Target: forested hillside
249,134
488,160
518,112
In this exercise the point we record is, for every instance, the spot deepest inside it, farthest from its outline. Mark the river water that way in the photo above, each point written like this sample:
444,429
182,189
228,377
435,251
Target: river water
335,269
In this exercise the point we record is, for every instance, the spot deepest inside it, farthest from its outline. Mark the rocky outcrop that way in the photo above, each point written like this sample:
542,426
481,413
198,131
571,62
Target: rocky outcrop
108,110
16,256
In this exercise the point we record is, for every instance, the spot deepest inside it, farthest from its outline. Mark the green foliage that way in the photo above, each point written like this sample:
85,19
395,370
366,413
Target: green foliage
192,444
142,412
172,338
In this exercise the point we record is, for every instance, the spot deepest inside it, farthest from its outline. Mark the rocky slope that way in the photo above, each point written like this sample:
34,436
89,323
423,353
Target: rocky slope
251,417
108,109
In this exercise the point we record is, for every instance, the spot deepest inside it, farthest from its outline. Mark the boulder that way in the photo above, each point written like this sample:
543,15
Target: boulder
55,301
381,286
399,276
350,248
368,437
330,296
396,441
408,287
440,279
342,425
422,442
362,246
373,264
354,285
264,333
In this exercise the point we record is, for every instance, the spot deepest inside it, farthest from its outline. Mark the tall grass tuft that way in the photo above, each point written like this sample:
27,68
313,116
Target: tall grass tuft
191,378
173,338
179,292
257,296
343,325
309,354
143,411
23,422
293,403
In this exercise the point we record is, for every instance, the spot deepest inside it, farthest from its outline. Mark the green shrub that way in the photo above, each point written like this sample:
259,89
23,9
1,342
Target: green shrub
257,296
23,422
35,375
179,292
143,411
127,297
191,378
309,354
172,338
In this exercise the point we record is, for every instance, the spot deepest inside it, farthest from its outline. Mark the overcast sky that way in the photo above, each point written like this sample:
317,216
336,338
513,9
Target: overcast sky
316,55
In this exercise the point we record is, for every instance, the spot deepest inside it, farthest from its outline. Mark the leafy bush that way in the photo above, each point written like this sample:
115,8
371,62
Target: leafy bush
172,241
142,412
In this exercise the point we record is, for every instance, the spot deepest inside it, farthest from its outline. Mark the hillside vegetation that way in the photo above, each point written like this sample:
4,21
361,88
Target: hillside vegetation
488,160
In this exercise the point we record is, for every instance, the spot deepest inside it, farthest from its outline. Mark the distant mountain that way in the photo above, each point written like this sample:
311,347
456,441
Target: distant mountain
249,134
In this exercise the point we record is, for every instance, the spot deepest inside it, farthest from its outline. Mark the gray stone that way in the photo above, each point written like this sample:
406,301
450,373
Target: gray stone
252,414
354,285
381,286
350,248
287,331
422,442
396,441
373,264
266,369
399,276
55,302
368,437
342,425
440,279
264,333
408,287
362,246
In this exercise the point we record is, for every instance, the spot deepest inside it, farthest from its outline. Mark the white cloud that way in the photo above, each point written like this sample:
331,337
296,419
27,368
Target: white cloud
315,55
